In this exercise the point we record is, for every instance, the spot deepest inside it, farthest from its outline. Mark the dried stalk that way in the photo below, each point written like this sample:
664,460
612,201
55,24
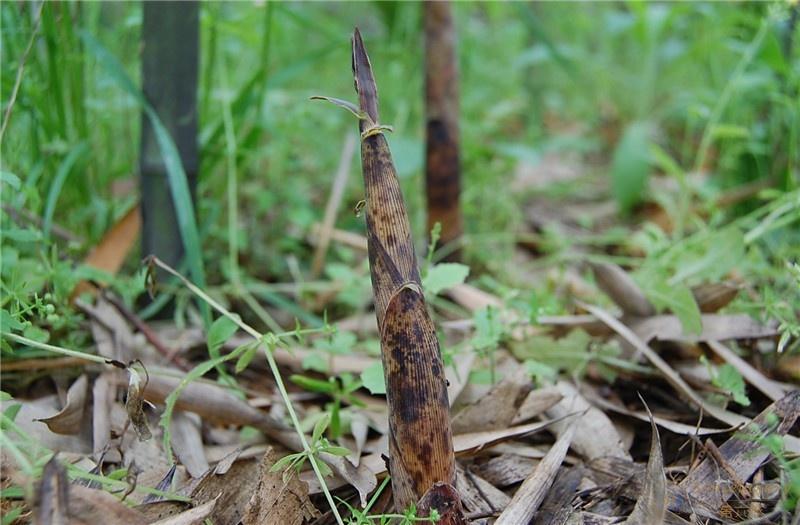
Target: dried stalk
442,163
422,463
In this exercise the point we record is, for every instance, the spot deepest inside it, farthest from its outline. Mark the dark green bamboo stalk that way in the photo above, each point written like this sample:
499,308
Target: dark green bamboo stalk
170,40
421,463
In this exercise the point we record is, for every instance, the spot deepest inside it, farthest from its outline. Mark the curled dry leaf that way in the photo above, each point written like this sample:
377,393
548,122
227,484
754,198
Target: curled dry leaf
134,403
68,420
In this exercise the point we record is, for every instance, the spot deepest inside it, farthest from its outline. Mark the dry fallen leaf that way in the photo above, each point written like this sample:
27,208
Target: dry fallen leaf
529,495
68,420
278,500
651,505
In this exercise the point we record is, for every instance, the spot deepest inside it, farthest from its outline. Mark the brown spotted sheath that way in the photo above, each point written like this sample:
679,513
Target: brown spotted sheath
442,164
420,441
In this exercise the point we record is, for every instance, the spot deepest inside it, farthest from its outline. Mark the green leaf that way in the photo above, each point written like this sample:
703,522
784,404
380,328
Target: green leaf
58,183
679,299
315,361
313,385
444,276
6,177
8,322
319,427
730,380
248,355
11,516
488,328
373,380
221,330
541,372
11,414
337,451
39,335
630,166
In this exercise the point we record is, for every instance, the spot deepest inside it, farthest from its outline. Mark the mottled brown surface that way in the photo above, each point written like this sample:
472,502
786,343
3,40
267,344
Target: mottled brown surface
420,441
442,163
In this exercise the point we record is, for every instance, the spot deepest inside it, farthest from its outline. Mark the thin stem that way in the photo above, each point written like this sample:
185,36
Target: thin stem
273,366
55,349
727,93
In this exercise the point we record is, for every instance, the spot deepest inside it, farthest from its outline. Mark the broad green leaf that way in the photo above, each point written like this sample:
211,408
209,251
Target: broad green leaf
8,322
39,335
221,330
444,276
630,166
373,380
316,361
679,299
730,380
541,372
488,328
6,177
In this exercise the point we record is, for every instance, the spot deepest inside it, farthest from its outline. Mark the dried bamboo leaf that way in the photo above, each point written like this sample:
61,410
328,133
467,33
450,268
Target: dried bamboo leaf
622,289
278,500
188,443
92,506
193,516
713,484
711,297
530,494
496,409
68,419
420,441
670,375
651,505
596,435
52,495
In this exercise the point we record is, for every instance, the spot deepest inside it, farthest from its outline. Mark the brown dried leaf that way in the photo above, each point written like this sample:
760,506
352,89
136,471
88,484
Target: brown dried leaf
134,403
51,506
530,494
94,506
188,443
68,420
622,289
670,375
743,453
711,297
716,327
194,516
651,505
596,435
478,495
278,500
495,410
536,403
